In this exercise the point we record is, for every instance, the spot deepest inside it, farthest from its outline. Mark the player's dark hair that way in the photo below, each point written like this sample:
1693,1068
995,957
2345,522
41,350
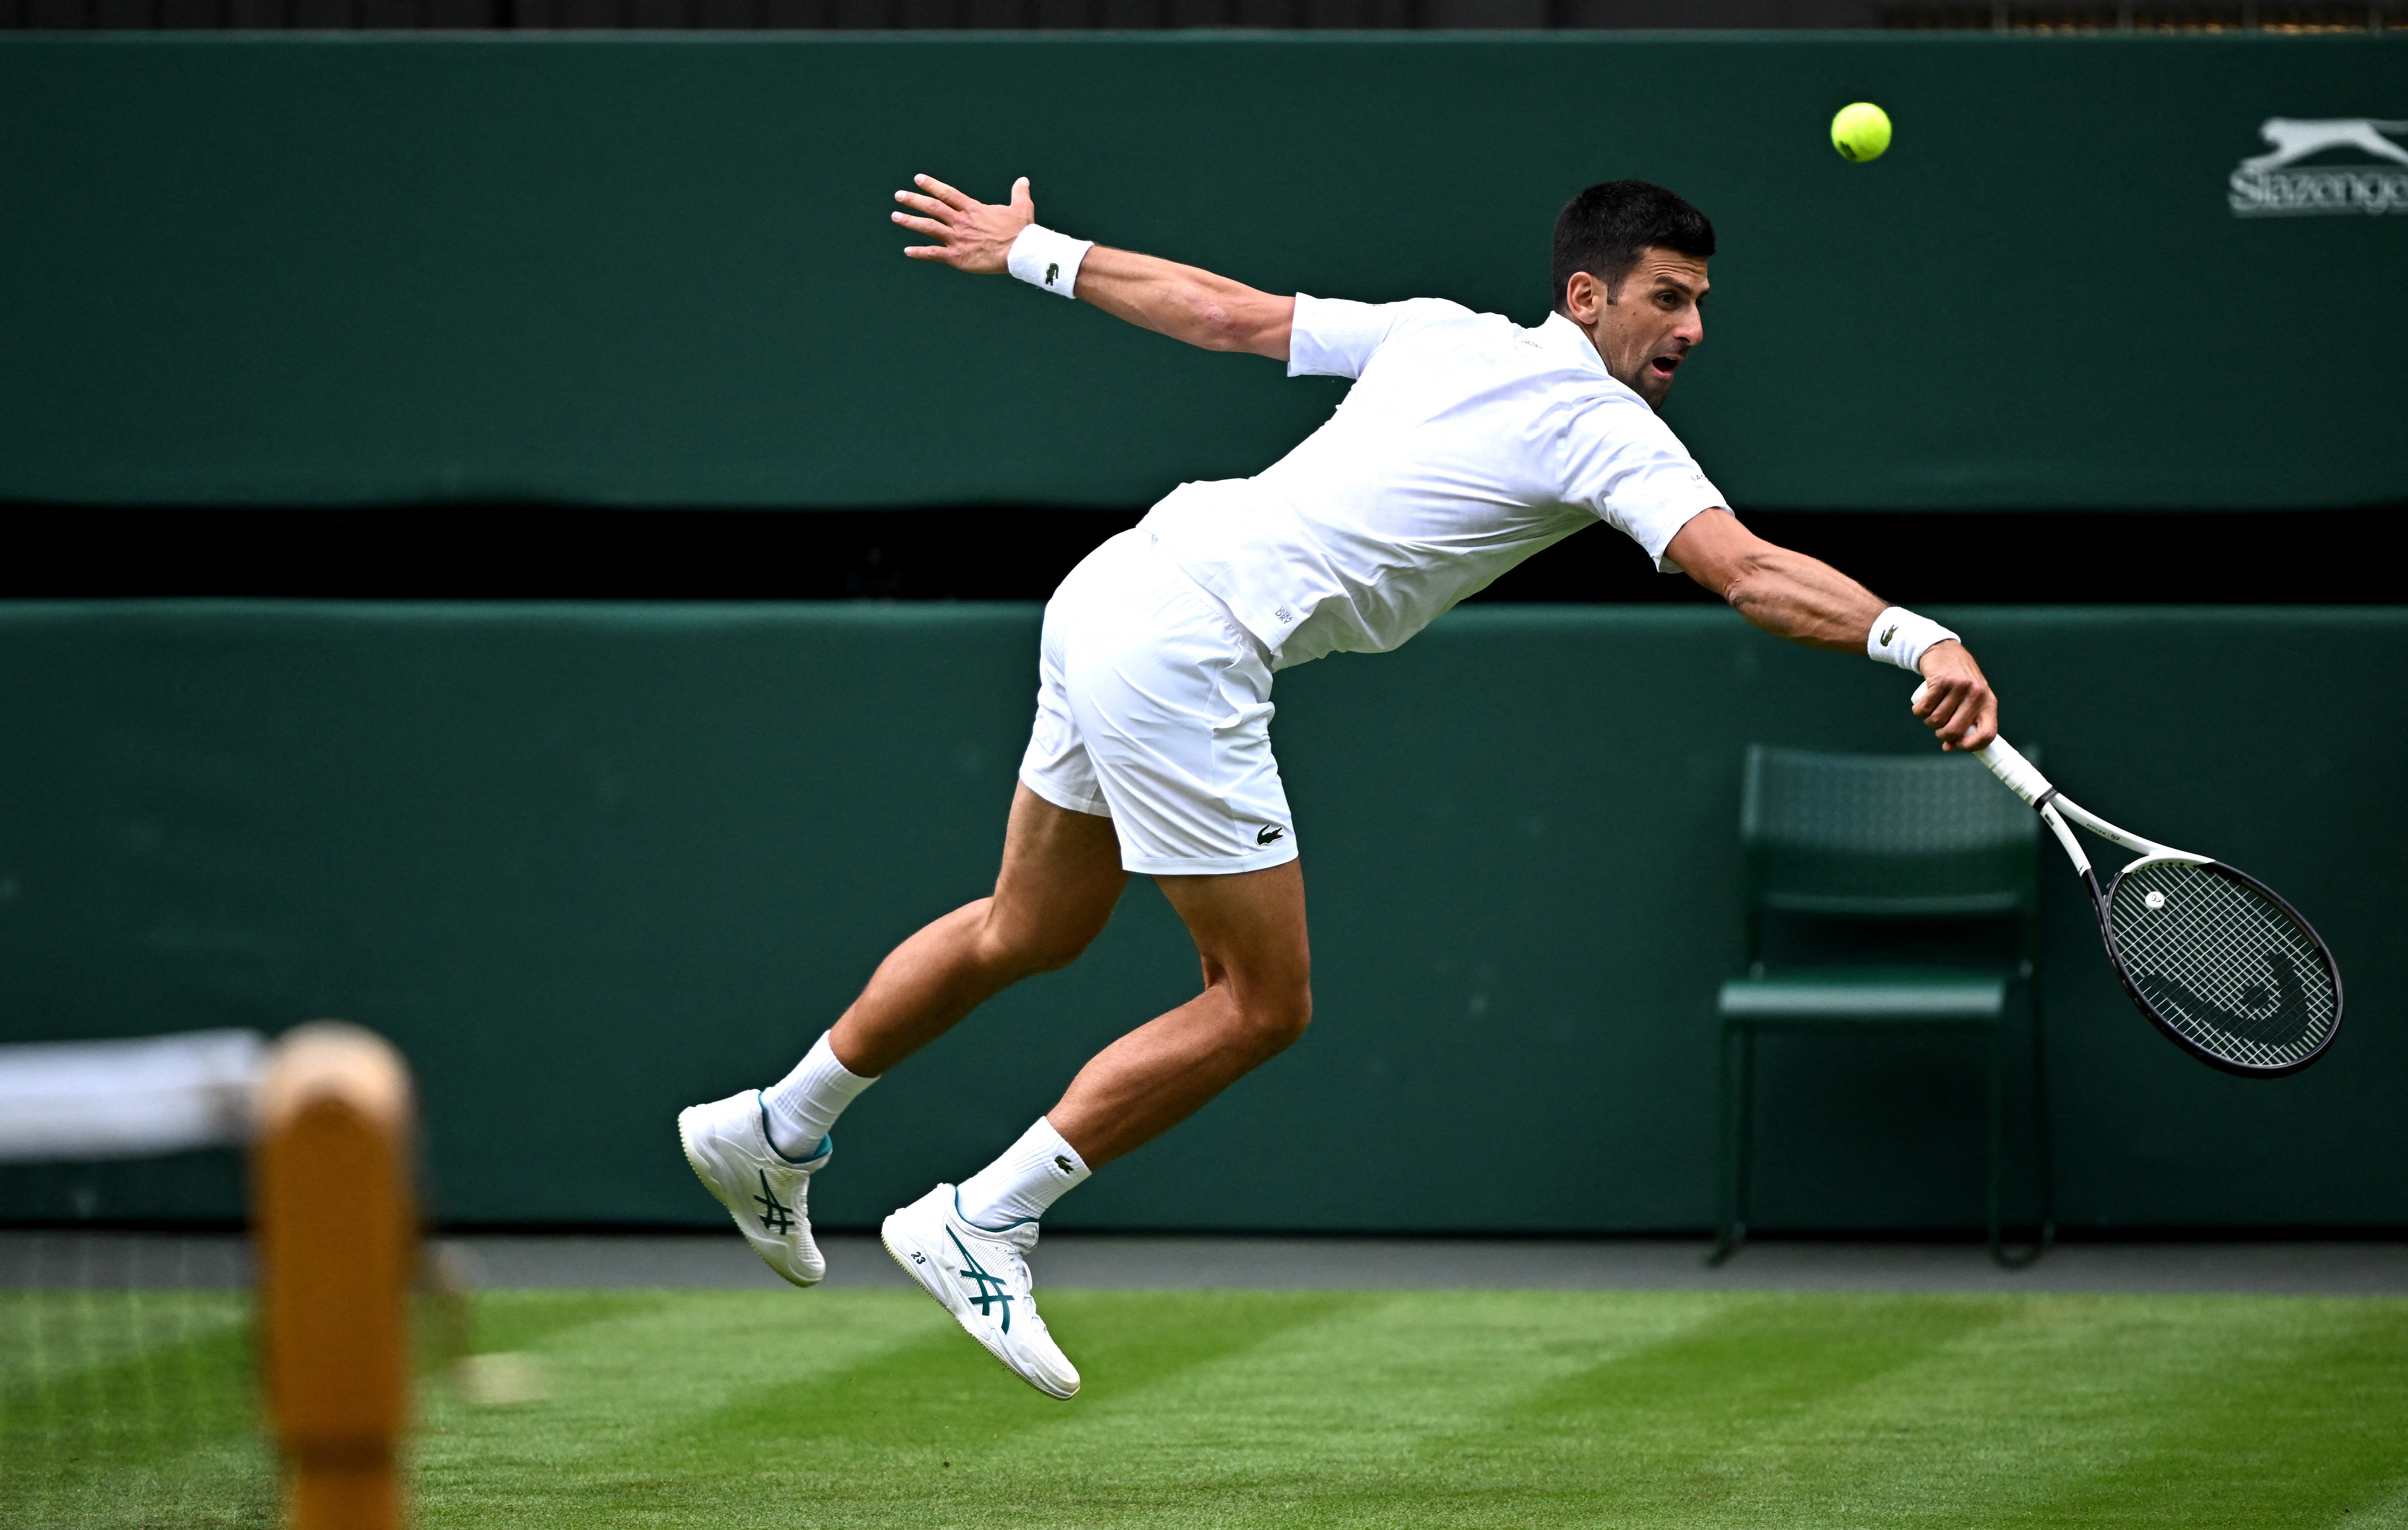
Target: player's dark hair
1602,231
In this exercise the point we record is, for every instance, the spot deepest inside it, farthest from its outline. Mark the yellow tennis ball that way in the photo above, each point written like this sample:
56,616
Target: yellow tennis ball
1860,132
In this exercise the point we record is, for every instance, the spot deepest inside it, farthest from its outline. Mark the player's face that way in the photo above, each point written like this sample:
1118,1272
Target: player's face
1644,331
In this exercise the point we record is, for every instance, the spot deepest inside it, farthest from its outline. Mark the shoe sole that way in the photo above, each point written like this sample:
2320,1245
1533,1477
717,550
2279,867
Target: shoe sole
939,1298
693,1162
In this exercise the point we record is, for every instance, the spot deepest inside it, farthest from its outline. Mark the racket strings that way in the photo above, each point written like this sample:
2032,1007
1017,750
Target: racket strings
2223,965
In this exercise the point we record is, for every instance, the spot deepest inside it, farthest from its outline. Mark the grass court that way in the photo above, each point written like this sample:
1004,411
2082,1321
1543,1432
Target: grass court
1639,1410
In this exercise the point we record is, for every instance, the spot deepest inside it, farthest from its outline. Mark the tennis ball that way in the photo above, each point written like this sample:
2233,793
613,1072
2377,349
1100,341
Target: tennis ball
1860,132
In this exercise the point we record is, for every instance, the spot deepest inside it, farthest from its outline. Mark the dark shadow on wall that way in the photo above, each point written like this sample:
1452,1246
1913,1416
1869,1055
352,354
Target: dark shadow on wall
999,552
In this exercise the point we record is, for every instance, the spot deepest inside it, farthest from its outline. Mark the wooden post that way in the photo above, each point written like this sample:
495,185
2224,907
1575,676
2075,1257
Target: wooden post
336,1235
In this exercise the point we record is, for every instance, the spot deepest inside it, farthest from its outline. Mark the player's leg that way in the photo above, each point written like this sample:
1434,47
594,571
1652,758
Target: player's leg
755,1151
968,1246
1171,699
1061,877
1249,931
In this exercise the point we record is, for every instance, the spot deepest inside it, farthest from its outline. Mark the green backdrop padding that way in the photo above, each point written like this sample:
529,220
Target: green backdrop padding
657,271
588,865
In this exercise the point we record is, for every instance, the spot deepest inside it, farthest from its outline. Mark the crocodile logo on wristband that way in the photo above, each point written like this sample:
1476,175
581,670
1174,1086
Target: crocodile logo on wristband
1053,270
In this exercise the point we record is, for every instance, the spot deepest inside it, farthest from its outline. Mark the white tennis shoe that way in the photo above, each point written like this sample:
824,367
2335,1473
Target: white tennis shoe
727,1143
980,1275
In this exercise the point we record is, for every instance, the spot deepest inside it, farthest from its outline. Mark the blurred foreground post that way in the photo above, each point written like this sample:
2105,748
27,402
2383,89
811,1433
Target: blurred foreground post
336,1235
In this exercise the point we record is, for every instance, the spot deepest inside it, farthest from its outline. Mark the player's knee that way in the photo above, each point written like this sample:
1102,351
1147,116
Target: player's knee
1276,1017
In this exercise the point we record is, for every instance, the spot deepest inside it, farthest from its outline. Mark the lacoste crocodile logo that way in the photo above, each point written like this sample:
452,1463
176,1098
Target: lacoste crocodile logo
1053,270
1269,832
1063,1163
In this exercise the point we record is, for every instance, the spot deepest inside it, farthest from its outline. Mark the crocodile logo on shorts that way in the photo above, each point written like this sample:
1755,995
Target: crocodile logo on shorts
1269,832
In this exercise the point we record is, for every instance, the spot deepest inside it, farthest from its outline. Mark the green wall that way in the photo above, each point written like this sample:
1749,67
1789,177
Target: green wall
588,865
649,270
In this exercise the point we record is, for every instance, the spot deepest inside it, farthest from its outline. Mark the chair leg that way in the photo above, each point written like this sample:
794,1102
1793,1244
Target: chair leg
1726,1154
1737,1093
1735,1067
1994,1207
2046,1236
1746,1128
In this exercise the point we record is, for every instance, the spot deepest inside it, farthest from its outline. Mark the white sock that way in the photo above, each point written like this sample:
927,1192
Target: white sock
803,1104
1021,1185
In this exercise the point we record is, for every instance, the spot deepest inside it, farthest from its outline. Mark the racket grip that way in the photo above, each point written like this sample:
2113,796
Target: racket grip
2020,775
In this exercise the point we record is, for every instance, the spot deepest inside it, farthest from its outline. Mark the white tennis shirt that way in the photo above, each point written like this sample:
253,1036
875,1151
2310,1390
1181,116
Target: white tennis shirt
1467,444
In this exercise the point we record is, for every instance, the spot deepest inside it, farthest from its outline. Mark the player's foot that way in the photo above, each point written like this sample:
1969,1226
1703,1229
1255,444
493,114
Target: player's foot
727,1142
980,1275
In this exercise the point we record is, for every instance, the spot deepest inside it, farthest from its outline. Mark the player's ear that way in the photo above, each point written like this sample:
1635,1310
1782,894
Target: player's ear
1584,294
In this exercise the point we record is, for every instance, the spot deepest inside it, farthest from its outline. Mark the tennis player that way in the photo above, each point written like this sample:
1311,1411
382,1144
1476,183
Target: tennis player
1467,444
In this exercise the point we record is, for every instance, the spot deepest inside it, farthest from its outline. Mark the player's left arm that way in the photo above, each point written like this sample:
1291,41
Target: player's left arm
1181,301
1808,601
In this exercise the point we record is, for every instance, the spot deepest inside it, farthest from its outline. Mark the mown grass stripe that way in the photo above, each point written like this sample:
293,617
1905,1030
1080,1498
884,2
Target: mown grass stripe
2291,1413
1381,1373
125,1408
629,1373
1686,1431
1432,1410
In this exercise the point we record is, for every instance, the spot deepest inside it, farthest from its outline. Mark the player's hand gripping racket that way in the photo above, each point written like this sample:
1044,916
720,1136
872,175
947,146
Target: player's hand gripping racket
2226,968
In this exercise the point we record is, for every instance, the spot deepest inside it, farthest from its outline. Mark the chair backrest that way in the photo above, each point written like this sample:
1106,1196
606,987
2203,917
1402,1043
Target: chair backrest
1885,835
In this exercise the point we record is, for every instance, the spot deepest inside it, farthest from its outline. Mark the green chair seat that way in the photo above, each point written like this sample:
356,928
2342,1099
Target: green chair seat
1890,995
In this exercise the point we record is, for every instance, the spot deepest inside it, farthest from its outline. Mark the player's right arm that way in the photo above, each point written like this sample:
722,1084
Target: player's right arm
1165,297
1808,601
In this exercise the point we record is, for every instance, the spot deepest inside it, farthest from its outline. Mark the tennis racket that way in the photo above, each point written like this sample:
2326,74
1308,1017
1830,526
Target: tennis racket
2227,971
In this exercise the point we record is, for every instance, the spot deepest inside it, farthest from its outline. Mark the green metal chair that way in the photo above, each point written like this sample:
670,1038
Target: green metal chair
1898,847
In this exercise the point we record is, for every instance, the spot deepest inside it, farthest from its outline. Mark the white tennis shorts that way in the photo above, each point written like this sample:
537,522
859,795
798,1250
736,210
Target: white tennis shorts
1153,709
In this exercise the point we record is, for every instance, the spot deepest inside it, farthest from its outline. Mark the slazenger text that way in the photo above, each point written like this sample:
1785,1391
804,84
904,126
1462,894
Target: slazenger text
2278,194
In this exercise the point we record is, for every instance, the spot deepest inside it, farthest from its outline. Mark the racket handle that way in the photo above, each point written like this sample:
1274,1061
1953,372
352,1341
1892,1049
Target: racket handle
2020,775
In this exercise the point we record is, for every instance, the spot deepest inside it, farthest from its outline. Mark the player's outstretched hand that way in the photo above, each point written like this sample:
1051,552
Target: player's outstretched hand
1954,700
977,235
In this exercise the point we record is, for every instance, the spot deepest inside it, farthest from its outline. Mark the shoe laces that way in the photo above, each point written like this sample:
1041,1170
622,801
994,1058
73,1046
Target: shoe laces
1024,1284
1024,1287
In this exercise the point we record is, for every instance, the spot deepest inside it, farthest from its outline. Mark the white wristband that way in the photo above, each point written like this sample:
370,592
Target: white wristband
1902,637
1043,258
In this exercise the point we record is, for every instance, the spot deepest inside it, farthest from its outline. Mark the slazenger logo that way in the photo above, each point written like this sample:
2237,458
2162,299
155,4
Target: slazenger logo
2275,185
